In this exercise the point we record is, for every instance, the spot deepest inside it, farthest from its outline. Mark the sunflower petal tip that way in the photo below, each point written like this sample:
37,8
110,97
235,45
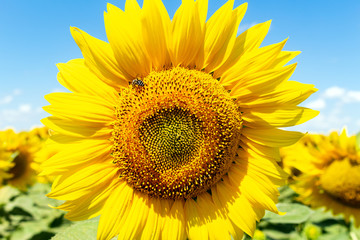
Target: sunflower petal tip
74,29
49,195
281,213
109,6
44,120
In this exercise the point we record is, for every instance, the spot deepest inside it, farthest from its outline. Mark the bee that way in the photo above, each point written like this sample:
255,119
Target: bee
137,82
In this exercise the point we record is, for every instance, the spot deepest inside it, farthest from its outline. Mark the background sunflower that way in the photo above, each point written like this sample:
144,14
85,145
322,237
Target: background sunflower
328,172
18,151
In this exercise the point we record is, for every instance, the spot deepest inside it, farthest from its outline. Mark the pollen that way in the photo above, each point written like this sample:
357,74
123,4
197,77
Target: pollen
175,135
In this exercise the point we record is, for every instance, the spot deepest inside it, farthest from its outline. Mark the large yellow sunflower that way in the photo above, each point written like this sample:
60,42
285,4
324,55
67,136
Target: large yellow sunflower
17,153
171,129
328,173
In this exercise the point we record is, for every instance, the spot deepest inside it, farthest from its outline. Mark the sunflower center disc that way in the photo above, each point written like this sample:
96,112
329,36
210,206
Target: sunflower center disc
341,182
172,138
19,168
175,136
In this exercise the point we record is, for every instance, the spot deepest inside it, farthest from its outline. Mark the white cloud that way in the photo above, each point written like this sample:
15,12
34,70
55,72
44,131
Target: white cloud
17,92
22,117
6,99
59,90
10,97
39,110
25,108
317,104
338,109
352,96
334,92
343,95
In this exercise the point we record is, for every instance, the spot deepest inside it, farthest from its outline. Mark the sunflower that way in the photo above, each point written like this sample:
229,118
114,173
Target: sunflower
45,152
5,164
18,151
290,161
171,129
41,152
328,173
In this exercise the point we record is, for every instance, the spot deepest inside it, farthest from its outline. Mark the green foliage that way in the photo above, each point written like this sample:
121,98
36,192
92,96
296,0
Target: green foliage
302,223
358,142
295,214
79,231
26,215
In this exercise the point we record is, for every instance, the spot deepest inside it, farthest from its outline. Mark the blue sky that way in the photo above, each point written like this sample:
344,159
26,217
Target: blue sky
34,36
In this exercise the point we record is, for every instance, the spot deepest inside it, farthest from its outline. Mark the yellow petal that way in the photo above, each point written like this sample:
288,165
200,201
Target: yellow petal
254,62
256,194
244,43
174,224
91,204
289,93
85,152
78,182
240,211
155,19
114,210
203,8
283,58
216,224
126,40
78,129
196,226
76,77
265,151
272,137
99,57
152,229
133,224
221,30
262,167
261,82
187,35
132,7
277,117
80,107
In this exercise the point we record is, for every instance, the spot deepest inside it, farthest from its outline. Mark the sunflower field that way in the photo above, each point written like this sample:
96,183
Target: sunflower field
310,207
177,128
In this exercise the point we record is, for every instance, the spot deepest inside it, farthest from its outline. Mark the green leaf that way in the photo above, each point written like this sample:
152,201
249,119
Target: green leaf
295,214
6,193
335,232
286,194
28,229
358,142
274,234
79,231
355,231
321,214
336,228
334,236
